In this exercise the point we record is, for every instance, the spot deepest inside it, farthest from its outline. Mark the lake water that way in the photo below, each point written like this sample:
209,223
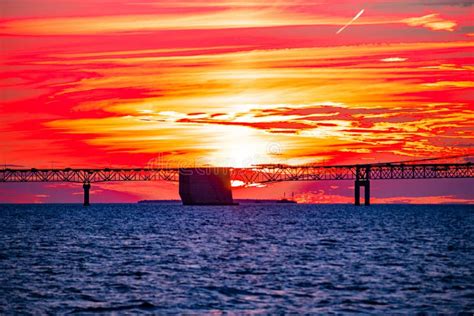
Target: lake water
137,258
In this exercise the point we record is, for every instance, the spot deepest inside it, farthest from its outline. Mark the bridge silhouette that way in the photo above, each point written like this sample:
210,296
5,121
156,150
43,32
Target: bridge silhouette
361,174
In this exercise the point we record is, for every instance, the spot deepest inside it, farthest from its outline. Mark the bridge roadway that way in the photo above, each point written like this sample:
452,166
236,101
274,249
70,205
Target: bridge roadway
361,174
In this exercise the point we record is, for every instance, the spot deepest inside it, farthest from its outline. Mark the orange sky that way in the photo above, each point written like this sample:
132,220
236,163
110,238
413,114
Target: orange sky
234,83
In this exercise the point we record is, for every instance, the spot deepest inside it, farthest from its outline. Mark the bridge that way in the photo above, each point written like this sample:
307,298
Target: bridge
205,177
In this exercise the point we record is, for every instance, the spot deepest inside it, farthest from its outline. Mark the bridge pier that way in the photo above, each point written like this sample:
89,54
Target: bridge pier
366,185
367,193
362,180
86,186
356,193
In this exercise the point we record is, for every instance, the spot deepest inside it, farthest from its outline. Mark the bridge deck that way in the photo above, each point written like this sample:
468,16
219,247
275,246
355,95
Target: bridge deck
261,174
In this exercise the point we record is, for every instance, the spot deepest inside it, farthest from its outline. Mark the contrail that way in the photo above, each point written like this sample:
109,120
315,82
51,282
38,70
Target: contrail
351,21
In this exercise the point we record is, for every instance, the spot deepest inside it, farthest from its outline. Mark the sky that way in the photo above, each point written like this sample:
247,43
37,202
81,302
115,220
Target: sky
124,83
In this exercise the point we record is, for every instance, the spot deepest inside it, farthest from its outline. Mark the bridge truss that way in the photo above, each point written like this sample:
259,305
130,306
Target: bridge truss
263,174
361,174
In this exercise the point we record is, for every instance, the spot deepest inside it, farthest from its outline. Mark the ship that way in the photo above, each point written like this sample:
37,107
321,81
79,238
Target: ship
288,201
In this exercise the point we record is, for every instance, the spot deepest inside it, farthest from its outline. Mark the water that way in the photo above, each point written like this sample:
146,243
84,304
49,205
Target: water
167,259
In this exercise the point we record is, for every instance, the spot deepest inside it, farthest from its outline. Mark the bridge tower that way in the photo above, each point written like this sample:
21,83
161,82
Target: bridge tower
362,180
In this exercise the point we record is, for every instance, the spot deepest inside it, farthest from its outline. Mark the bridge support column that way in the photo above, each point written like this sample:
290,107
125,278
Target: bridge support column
87,187
362,174
367,193
366,185
356,193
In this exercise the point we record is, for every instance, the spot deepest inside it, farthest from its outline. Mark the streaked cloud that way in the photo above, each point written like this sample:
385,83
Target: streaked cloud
432,21
453,84
223,19
393,59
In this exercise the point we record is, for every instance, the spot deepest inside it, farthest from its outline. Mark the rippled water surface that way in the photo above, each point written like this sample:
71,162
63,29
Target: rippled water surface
255,258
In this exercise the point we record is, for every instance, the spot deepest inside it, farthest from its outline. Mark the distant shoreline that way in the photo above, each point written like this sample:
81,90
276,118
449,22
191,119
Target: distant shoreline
240,201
